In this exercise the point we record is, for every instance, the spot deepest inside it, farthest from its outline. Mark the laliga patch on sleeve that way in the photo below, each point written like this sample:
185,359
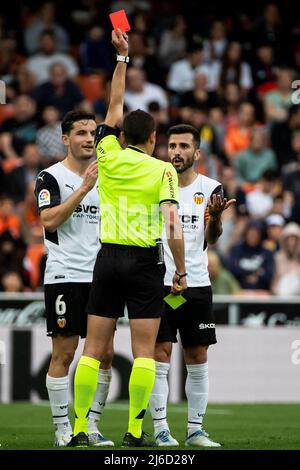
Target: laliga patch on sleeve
119,21
175,300
44,198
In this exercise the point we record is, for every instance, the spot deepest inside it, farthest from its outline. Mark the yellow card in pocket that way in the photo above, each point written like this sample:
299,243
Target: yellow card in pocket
174,300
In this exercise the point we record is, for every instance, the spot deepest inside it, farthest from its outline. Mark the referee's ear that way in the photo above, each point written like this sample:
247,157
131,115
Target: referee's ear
152,138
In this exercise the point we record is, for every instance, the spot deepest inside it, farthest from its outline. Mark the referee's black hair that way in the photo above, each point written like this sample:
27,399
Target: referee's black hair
137,127
186,129
74,116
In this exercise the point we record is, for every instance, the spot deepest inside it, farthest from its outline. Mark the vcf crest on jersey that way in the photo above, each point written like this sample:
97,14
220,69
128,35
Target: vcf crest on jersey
198,198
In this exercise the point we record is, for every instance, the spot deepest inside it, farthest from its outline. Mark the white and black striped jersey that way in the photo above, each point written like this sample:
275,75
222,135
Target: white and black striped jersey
73,247
193,212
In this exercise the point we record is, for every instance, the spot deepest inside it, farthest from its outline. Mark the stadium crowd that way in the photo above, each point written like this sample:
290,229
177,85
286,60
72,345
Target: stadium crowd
231,75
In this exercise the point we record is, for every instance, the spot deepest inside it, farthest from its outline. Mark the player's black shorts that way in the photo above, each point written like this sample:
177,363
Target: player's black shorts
194,319
66,308
127,274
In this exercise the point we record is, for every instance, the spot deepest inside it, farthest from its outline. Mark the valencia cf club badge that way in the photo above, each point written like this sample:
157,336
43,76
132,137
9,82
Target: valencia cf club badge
198,198
61,321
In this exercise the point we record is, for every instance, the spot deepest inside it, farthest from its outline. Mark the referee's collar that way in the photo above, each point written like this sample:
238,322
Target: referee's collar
132,147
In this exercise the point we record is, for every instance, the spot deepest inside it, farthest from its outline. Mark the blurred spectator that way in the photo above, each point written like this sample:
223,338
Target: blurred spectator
263,69
39,64
249,262
254,161
96,53
48,138
259,201
233,69
24,81
173,42
231,99
291,185
9,220
222,281
182,72
270,28
287,262
199,95
30,214
217,121
274,227
215,46
60,92
12,255
232,190
34,254
10,59
25,173
278,102
237,137
11,281
142,57
284,142
20,130
139,93
45,19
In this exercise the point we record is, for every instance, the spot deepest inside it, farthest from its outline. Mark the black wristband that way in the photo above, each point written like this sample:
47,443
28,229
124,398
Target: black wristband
180,275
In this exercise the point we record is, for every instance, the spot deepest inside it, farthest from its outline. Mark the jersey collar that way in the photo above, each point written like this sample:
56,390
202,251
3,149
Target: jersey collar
132,147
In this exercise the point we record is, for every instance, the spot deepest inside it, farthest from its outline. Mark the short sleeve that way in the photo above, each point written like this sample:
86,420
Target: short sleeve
106,139
169,185
47,191
218,190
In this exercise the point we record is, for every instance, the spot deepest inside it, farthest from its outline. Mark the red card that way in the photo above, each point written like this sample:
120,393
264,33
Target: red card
119,21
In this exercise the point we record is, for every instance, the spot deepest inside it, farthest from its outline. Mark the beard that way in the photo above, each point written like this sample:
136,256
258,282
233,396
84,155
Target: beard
185,165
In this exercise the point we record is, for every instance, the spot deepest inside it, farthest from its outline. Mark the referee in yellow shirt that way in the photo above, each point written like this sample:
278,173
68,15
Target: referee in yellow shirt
136,193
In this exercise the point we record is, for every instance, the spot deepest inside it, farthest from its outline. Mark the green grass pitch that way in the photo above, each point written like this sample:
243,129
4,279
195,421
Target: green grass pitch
237,426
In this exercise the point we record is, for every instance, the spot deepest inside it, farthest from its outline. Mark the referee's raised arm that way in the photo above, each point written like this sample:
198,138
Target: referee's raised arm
115,109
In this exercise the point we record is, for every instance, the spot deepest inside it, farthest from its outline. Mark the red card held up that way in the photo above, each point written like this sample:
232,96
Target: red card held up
119,21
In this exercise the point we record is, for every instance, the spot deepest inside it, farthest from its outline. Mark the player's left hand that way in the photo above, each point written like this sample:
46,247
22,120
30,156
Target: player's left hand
217,204
120,41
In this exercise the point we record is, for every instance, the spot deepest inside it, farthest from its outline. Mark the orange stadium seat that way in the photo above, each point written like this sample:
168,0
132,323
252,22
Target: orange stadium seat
92,86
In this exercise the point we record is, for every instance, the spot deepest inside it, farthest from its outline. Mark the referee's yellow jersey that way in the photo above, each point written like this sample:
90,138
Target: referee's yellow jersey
132,184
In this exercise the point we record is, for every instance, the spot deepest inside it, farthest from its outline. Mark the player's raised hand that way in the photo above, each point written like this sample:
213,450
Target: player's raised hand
217,204
120,41
90,176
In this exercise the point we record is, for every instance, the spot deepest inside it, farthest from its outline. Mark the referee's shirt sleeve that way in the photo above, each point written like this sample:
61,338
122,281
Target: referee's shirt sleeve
106,140
46,191
169,185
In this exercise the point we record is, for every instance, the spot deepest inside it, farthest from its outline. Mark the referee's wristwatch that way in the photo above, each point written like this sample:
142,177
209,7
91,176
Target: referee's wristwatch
122,58
180,275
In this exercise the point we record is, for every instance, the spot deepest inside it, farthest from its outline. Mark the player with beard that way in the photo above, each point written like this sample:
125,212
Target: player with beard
201,205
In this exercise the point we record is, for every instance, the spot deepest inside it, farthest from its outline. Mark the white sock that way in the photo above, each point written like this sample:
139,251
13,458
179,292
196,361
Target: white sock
159,397
104,379
58,391
196,389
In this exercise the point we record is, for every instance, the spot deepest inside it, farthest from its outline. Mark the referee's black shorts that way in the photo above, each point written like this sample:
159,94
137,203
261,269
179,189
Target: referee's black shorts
127,274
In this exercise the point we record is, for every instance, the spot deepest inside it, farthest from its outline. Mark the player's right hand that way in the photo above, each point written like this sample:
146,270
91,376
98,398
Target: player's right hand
178,286
90,176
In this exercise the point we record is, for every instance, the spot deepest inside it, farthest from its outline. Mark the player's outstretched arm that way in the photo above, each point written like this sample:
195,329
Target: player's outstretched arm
116,103
55,216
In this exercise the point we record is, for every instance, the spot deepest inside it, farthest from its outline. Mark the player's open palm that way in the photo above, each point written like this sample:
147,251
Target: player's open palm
217,204
90,176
